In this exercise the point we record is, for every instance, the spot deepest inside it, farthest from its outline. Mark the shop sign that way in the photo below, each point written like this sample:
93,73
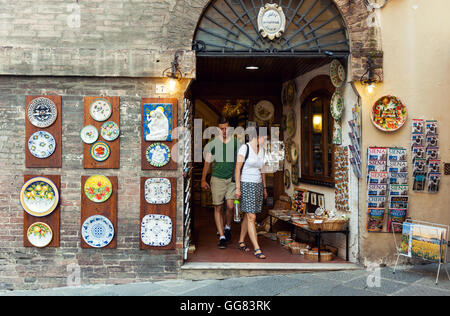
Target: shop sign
271,21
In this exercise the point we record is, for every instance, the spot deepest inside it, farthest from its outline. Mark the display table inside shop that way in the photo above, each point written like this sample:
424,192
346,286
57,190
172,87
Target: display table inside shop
317,233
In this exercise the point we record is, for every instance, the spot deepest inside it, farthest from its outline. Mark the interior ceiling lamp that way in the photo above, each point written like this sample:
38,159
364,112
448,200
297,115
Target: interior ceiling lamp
174,71
368,78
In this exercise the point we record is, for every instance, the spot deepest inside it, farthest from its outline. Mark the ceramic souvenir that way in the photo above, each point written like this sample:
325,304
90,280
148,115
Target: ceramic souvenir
110,131
42,144
294,152
337,133
98,188
295,174
289,93
288,145
264,110
40,235
158,122
39,197
156,230
287,179
100,110
337,73
100,151
42,112
89,134
158,191
97,231
389,114
290,125
158,155
337,106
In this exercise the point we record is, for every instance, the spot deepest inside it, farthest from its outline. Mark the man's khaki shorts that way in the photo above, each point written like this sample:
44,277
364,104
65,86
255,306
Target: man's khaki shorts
222,189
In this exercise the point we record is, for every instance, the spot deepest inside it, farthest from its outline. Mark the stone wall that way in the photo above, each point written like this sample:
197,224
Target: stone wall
37,268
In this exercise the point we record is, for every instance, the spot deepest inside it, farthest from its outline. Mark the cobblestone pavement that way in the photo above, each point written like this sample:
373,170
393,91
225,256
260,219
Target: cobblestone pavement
410,281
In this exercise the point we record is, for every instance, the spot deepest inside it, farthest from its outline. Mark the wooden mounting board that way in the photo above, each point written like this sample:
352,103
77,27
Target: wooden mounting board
172,165
52,220
113,162
55,160
169,209
107,209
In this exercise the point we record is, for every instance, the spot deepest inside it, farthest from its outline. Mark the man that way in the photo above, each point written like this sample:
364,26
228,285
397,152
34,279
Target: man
220,153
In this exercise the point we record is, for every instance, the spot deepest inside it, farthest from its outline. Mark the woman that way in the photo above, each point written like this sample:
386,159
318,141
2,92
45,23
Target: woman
251,186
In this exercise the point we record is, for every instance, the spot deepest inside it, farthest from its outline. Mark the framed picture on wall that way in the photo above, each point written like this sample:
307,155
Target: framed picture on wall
306,197
313,198
321,201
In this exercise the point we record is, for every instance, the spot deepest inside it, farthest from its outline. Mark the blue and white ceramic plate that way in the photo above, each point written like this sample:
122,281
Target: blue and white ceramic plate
158,155
158,191
42,112
156,230
42,144
97,231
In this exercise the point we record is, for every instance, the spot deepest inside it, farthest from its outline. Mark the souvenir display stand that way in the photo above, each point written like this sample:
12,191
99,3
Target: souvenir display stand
52,220
166,210
113,160
423,240
55,130
167,144
107,209
187,174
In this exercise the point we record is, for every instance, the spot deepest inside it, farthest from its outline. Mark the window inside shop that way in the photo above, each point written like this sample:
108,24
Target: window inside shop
317,133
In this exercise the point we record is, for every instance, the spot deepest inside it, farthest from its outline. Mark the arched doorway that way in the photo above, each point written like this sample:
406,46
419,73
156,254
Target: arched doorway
246,51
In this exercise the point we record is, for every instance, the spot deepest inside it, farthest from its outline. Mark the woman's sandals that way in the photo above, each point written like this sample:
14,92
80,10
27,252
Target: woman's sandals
243,247
259,255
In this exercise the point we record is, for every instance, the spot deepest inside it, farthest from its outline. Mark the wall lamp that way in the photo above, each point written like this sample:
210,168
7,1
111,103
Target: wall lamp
174,71
369,77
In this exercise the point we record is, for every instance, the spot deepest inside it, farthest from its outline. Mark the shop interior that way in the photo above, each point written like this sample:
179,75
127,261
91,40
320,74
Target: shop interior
232,86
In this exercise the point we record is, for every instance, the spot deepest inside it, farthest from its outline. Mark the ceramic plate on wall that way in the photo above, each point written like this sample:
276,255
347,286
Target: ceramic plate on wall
264,110
337,106
110,131
100,151
158,191
98,188
287,179
39,196
40,235
97,231
389,114
89,134
158,155
42,144
156,230
290,125
289,93
337,73
100,110
42,112
294,152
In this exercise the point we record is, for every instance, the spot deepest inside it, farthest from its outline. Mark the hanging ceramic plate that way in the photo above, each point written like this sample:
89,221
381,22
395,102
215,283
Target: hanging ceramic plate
295,174
89,134
288,144
42,112
337,73
98,188
337,133
287,179
337,106
264,110
156,230
39,197
97,231
42,144
40,235
158,191
100,151
290,125
389,114
289,93
110,131
158,155
100,110
294,152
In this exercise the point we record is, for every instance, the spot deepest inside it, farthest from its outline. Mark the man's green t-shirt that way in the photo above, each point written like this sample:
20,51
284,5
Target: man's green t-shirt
223,155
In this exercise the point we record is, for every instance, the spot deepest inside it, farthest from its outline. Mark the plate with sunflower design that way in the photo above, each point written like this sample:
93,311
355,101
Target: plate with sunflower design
39,197
98,188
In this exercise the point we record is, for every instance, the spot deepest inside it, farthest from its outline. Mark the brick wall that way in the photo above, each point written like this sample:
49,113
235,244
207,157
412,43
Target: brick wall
36,268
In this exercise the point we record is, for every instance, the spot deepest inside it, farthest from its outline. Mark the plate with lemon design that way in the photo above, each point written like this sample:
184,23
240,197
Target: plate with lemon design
40,235
39,197
98,189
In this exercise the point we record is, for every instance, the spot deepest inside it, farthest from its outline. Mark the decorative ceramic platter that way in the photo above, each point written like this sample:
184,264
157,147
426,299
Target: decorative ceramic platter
337,73
289,93
40,235
287,179
39,197
42,144
100,110
264,110
97,231
42,112
89,134
288,144
110,131
98,188
337,106
100,151
156,230
294,152
389,114
158,155
158,191
295,174
290,125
